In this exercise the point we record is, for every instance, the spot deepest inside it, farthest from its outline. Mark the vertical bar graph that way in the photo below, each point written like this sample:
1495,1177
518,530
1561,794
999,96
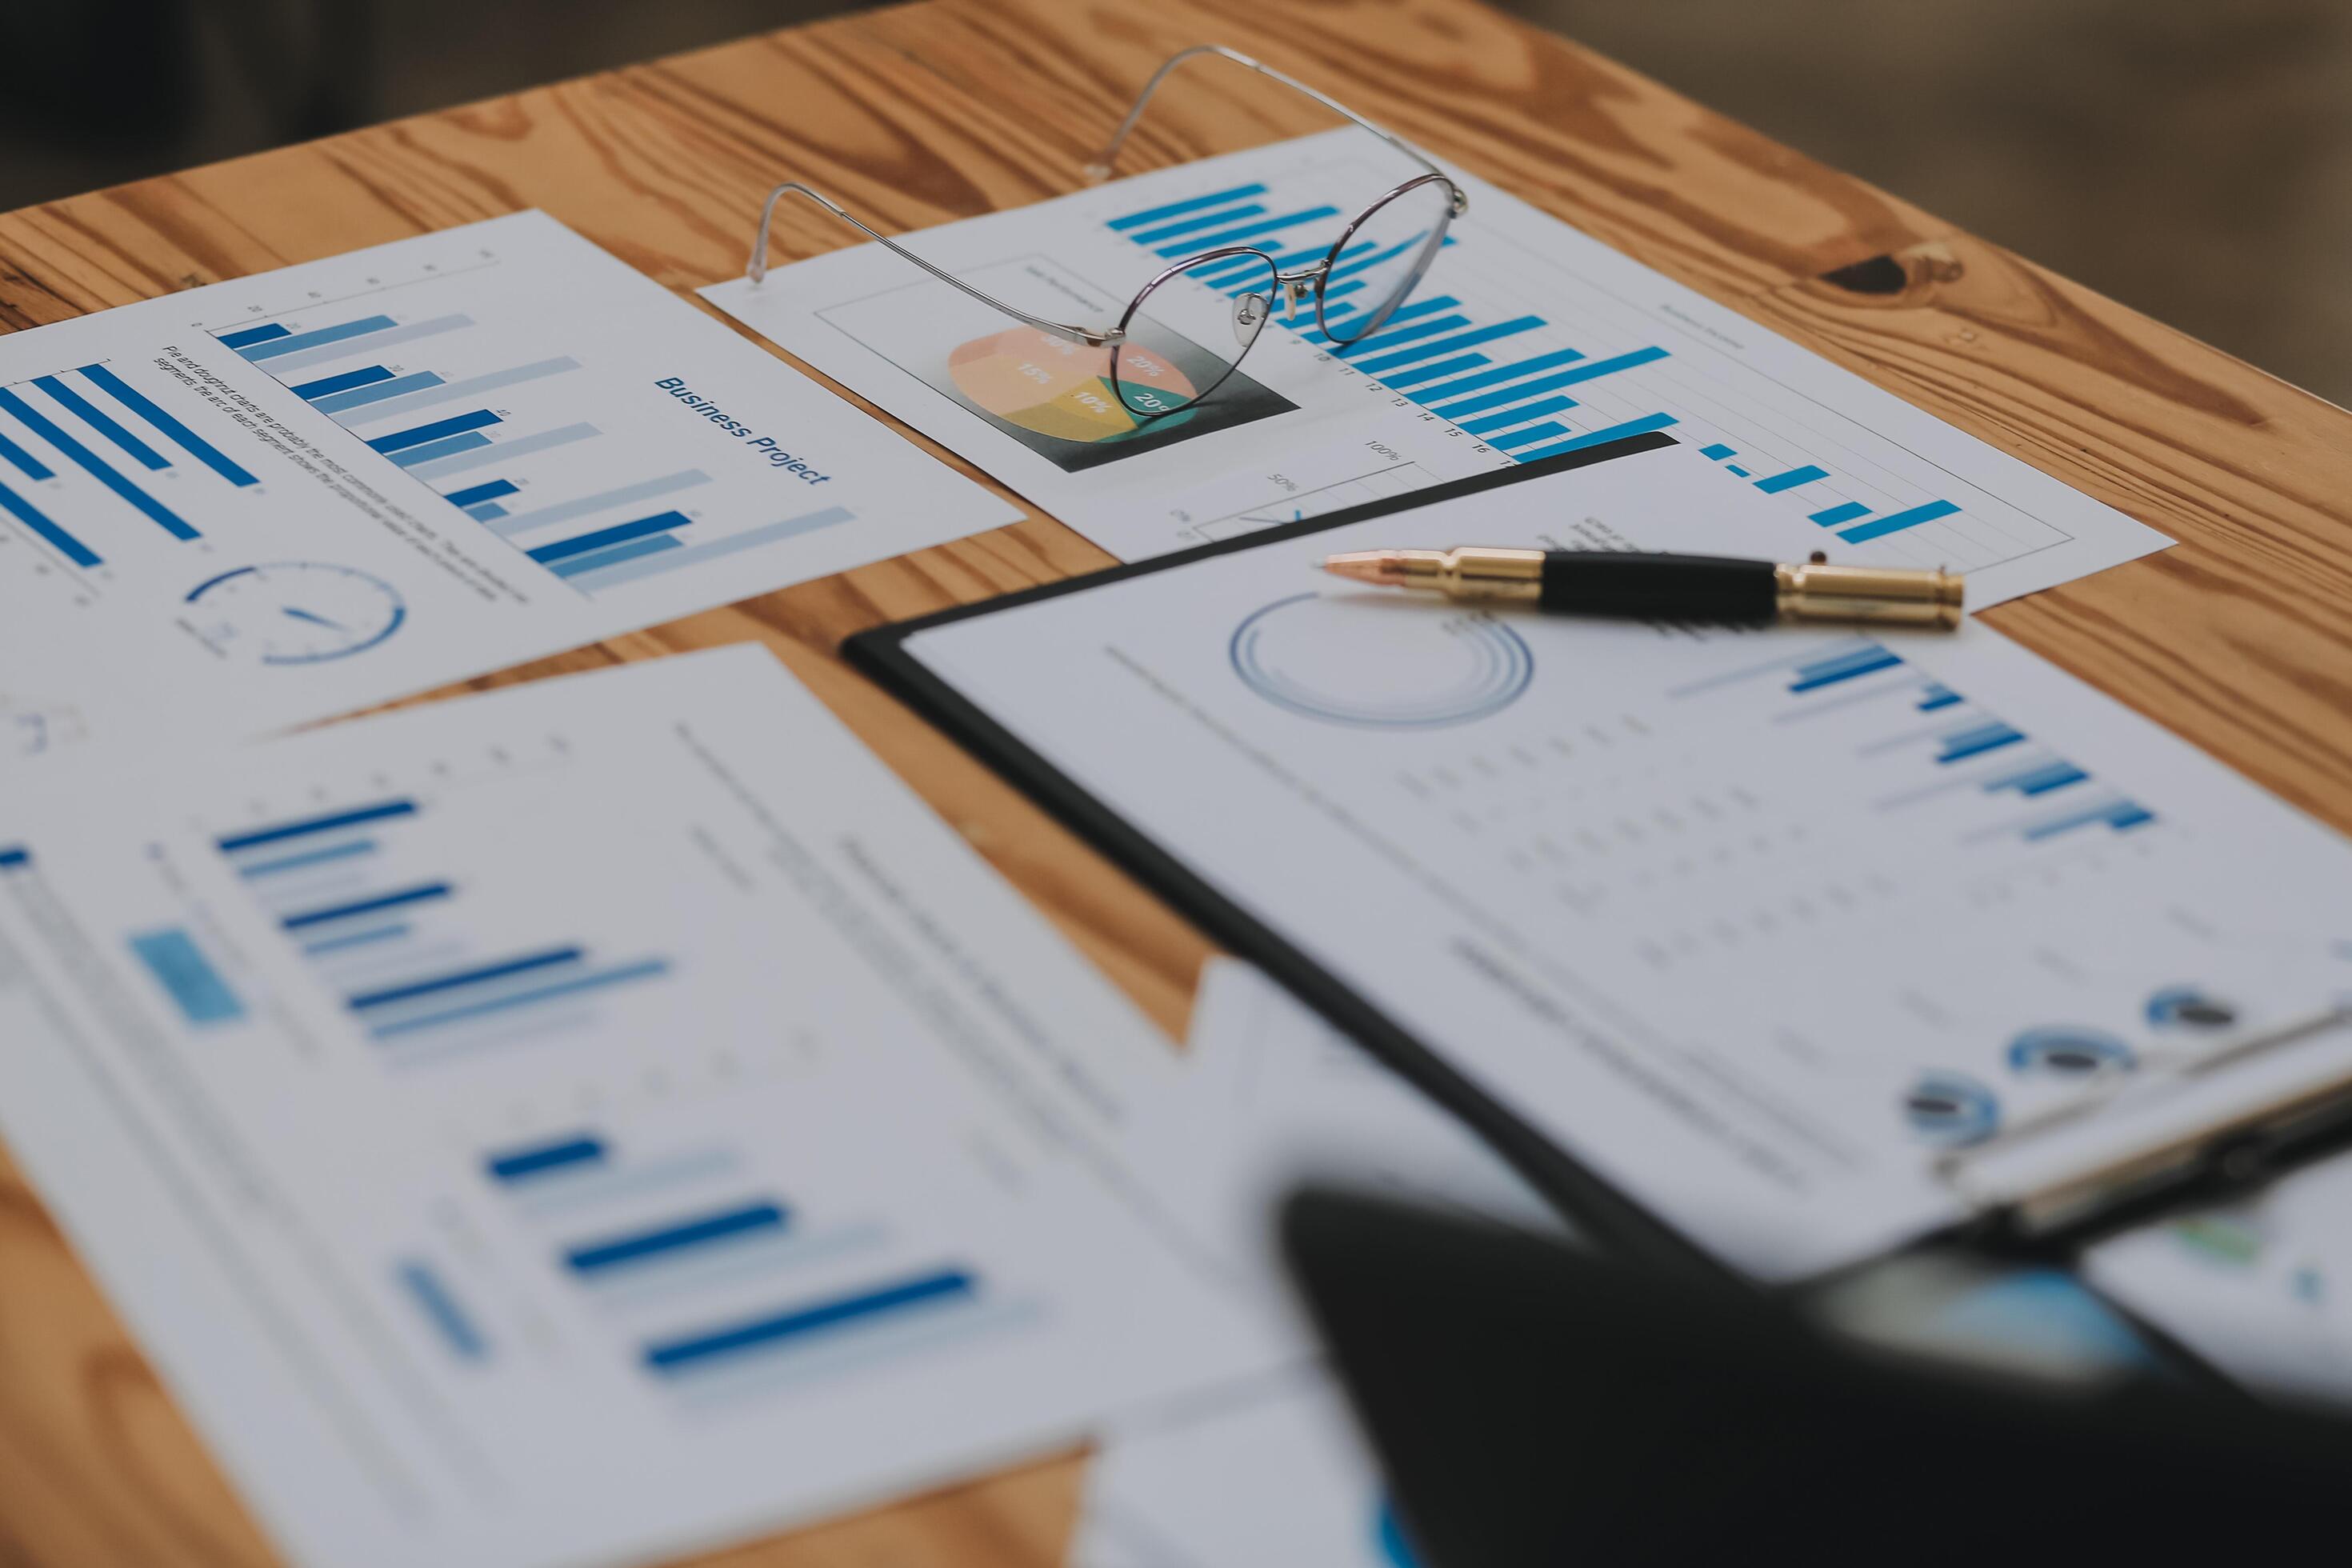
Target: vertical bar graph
375,389
280,346
419,435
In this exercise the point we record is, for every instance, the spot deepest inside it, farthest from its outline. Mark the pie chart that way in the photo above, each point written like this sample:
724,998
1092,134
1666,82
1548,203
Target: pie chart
1044,383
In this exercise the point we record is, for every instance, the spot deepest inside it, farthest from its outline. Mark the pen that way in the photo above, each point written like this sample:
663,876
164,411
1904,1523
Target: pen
1667,587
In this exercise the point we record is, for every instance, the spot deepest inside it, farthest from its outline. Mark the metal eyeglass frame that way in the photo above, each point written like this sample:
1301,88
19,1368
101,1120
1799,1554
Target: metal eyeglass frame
1250,312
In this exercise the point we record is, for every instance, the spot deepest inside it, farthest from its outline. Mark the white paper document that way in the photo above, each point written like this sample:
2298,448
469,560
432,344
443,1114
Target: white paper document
585,1123
1276,1478
1756,922
272,500
2258,1287
1526,339
1272,1097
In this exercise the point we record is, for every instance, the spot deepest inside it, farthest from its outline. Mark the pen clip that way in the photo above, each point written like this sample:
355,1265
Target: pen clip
2134,1138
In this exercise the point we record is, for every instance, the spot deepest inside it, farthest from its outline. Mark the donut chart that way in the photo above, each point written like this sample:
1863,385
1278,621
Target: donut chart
1054,387
1310,655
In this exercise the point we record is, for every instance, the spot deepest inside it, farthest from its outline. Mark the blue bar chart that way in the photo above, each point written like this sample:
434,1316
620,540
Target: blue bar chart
712,1280
401,945
1916,745
1533,360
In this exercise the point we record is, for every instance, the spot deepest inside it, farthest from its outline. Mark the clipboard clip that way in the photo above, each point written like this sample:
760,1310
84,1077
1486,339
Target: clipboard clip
2223,1120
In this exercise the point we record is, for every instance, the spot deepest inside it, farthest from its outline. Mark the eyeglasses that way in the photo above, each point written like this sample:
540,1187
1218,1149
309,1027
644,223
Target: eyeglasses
1216,303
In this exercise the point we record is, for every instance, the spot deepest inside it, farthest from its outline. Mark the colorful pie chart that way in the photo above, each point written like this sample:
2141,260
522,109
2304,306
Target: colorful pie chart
1062,389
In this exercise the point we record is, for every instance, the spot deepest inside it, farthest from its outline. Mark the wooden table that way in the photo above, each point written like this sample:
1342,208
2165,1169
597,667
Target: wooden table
2240,638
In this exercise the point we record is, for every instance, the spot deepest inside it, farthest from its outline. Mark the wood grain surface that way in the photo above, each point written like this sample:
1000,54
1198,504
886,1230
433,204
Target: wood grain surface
2239,639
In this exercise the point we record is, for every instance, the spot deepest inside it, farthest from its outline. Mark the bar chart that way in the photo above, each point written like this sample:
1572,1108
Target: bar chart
1924,752
353,889
1513,340
712,1283
492,425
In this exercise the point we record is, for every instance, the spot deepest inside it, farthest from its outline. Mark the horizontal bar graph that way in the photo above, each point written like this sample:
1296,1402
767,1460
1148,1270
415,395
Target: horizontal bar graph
1975,740
90,462
171,428
374,904
130,445
419,435
309,826
377,389
277,347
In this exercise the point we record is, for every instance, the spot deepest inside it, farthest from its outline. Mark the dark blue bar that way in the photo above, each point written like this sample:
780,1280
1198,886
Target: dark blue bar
1519,416
1791,479
319,338
1448,345
1264,228
1431,372
1177,209
416,435
1601,367
310,824
33,469
1452,389
97,469
619,533
249,336
1976,742
1938,697
72,548
474,976
678,1355
2129,817
1862,654
1899,522
194,445
1844,512
367,906
481,493
1718,451
1640,426
99,420
15,857
328,385
2119,816
520,1164
645,969
675,1237
1874,660
2040,780
1195,225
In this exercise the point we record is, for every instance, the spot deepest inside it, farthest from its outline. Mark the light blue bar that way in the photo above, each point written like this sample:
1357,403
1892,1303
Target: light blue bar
1403,313
357,938
627,495
1421,351
1177,209
1431,372
1640,426
650,969
1519,416
1454,389
432,451
612,556
630,571
1602,367
374,343
1249,234
1533,433
1542,383
1791,479
375,392
277,347
488,511
314,858
1898,521
1718,451
441,1309
180,967
1389,336
1844,512
472,385
541,442
2118,814
1195,225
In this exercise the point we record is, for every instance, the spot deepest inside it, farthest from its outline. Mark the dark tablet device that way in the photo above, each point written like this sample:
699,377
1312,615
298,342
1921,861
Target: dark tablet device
1532,1405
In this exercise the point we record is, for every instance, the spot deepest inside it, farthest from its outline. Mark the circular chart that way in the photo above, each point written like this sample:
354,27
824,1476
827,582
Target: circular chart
2064,1050
295,611
1057,388
1391,667
1949,1108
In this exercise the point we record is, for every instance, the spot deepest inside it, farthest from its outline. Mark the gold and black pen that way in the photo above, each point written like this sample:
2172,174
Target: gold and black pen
1667,587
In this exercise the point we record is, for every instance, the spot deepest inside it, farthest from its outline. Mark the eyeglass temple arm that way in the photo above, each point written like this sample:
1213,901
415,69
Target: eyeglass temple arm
1093,337
1101,168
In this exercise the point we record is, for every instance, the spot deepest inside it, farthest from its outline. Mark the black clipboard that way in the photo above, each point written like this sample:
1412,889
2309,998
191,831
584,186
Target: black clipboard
1608,1217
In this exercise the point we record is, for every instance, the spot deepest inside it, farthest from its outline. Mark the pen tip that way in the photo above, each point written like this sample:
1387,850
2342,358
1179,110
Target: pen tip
1361,565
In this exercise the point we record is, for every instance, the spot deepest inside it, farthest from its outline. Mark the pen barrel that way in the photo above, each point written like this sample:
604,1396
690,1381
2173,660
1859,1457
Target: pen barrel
1880,596
1660,587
